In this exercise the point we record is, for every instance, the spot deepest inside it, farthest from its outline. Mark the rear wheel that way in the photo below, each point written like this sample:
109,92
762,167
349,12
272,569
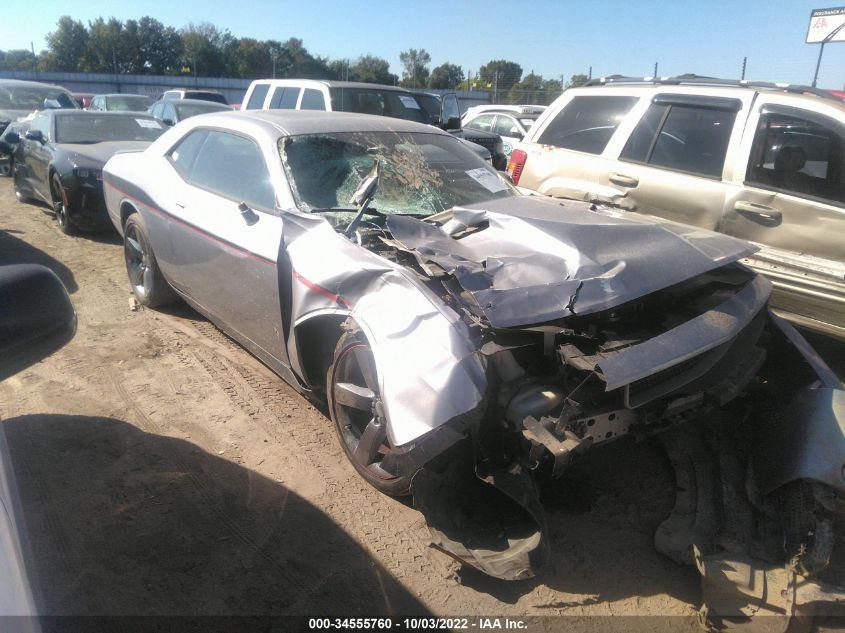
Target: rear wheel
16,183
359,415
66,225
148,284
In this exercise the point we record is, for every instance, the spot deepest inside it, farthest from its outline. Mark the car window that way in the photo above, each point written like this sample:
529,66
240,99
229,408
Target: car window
256,99
42,123
232,165
682,137
420,173
184,154
483,122
586,123
284,98
312,100
169,112
506,126
157,110
799,155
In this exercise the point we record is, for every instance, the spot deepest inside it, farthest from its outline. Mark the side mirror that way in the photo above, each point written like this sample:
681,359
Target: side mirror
36,316
12,138
454,123
169,122
35,135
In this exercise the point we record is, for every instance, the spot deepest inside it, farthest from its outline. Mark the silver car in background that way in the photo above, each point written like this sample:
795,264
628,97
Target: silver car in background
467,337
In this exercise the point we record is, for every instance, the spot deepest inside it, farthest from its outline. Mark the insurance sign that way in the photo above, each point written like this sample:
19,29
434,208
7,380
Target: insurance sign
823,22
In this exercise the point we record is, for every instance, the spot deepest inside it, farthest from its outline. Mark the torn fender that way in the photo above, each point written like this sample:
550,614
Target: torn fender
807,441
429,371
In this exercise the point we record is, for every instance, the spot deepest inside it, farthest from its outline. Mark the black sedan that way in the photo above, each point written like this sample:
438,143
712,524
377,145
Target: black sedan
171,111
60,159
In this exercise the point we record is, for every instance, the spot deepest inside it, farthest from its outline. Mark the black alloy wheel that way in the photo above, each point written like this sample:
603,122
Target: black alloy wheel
66,225
148,284
358,413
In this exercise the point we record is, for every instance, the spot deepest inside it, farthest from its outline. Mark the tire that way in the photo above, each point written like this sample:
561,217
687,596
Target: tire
18,194
66,225
355,408
148,284
808,536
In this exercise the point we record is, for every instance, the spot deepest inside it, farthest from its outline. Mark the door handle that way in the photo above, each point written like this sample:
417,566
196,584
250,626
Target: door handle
624,181
760,210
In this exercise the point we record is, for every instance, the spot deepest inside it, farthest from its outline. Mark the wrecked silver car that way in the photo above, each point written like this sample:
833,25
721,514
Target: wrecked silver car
469,339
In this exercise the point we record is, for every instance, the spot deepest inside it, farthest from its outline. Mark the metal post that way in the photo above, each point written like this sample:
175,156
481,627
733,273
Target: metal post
829,37
744,61
590,76
819,62
655,70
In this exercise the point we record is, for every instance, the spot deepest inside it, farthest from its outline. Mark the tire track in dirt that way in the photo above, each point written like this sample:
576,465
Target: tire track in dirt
286,576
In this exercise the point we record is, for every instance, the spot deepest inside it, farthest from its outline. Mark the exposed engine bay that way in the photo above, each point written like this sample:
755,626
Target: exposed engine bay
701,365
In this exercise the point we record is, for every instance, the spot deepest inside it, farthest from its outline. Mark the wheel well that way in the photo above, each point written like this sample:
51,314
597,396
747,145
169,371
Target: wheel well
318,337
126,209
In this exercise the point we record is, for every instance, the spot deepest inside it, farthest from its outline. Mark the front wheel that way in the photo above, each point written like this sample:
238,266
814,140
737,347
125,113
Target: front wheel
358,413
148,284
66,225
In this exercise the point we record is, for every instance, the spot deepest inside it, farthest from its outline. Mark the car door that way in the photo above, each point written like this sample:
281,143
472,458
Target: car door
226,258
673,163
39,154
792,202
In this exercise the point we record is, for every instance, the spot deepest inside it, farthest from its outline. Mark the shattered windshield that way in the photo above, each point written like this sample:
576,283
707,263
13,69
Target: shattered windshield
420,174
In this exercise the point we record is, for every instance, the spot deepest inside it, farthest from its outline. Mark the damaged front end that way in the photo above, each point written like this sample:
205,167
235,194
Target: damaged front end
657,333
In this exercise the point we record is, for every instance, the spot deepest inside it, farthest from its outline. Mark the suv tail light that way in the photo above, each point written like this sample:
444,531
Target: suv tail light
516,164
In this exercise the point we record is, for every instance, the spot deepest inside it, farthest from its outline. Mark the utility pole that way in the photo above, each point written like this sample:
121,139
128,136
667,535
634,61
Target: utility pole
496,87
655,70
590,76
744,62
34,58
273,57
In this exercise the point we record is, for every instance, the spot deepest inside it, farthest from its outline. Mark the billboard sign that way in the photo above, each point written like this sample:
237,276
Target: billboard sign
823,22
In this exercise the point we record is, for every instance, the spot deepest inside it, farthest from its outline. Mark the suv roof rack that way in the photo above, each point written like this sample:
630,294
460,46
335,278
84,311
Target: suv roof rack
700,80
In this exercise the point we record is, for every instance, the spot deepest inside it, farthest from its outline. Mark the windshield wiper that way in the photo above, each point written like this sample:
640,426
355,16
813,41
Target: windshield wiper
368,210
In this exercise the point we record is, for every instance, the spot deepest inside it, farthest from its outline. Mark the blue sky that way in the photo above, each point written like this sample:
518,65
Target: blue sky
550,37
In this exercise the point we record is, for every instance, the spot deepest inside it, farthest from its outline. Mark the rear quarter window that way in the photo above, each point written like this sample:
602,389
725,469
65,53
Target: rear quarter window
587,123
256,99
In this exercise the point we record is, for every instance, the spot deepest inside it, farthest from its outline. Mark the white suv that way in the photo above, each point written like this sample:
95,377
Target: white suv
763,162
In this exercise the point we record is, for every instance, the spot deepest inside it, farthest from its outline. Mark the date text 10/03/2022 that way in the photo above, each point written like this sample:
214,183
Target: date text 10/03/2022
417,624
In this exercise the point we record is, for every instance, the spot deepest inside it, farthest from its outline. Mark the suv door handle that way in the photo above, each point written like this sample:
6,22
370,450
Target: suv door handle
624,181
760,210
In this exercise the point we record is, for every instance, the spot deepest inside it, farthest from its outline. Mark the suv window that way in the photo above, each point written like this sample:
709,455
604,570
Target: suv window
228,164
256,99
683,137
586,123
506,126
284,98
312,100
799,154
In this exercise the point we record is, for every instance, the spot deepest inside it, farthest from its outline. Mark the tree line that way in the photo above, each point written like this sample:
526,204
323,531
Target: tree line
146,46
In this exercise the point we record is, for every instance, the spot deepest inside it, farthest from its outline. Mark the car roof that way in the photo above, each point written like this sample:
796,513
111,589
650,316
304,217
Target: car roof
295,122
201,102
24,83
76,112
705,86
121,94
331,83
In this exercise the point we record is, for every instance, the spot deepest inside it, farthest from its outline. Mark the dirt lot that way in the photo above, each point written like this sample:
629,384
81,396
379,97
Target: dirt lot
163,470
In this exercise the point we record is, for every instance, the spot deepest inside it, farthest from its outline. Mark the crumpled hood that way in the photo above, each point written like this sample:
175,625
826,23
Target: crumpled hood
95,155
539,259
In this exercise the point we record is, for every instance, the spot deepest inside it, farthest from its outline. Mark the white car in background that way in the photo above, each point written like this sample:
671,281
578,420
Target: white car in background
510,122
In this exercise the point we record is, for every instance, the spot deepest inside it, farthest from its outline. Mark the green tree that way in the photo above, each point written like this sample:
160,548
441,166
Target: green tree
577,80
101,48
499,75
372,69
415,63
17,59
446,76
203,46
160,47
66,45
